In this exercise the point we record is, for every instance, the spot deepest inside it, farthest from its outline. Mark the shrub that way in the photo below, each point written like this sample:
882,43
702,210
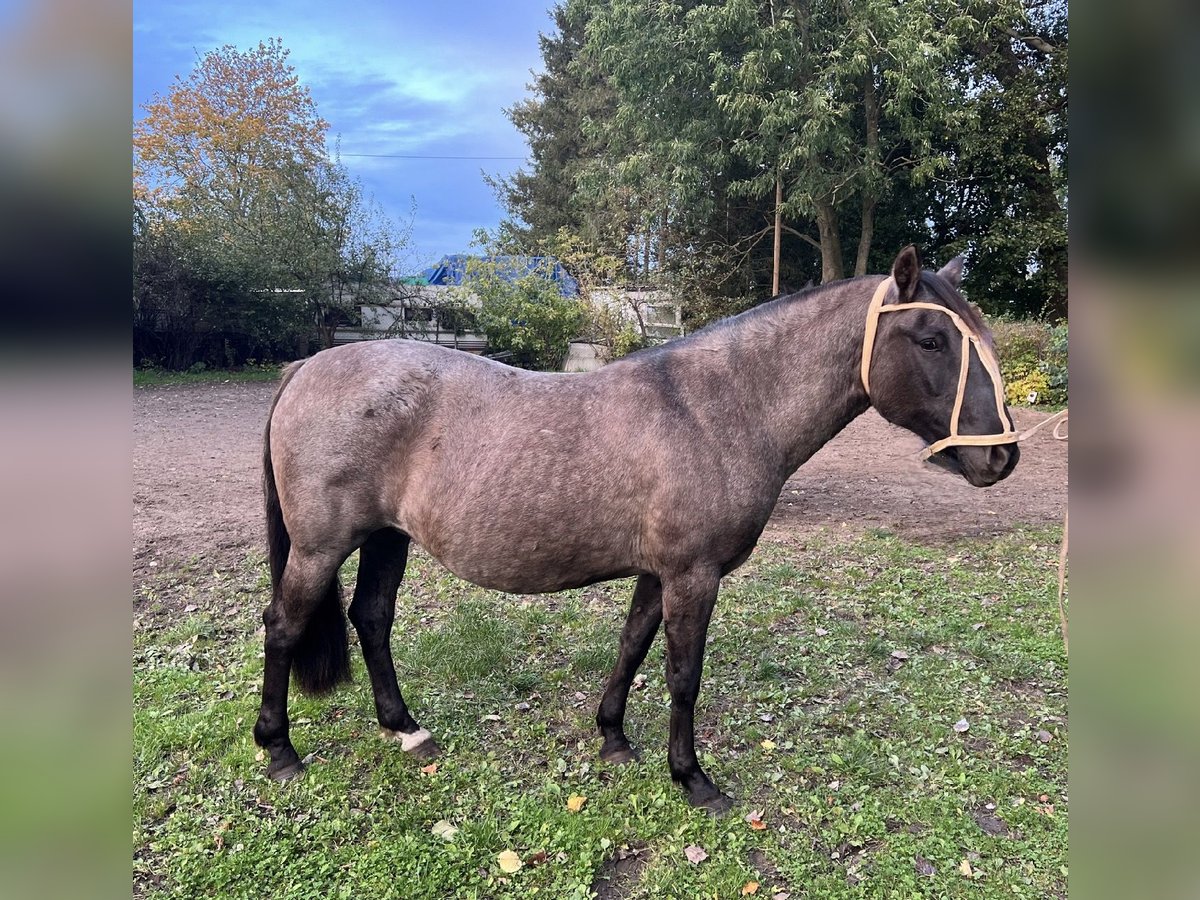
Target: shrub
1033,361
627,341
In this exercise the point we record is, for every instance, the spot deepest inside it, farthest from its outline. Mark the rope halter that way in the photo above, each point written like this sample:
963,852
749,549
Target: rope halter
969,339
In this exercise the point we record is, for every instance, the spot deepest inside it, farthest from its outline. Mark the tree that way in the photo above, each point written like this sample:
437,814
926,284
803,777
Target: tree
756,142
233,163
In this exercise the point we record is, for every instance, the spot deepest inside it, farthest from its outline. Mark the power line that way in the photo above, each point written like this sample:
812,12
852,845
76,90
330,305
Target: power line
413,156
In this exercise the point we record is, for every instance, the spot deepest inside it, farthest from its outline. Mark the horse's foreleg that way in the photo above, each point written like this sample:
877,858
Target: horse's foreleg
645,615
306,580
380,571
687,607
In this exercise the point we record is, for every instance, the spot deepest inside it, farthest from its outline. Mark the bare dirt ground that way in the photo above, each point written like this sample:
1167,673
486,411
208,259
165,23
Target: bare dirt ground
197,468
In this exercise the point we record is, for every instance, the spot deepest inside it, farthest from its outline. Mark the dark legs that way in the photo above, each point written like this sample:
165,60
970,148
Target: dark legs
380,570
645,615
306,582
687,607
685,603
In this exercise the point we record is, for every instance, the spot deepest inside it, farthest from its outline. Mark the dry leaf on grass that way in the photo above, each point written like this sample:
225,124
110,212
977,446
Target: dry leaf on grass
755,820
509,862
695,855
575,802
750,887
444,830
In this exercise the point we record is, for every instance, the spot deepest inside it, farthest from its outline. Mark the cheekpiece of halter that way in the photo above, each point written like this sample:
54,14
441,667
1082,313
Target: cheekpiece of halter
969,339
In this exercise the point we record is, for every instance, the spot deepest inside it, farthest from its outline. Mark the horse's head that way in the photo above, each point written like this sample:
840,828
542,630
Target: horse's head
916,375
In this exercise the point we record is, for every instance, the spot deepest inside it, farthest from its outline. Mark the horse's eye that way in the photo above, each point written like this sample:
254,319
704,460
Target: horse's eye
929,344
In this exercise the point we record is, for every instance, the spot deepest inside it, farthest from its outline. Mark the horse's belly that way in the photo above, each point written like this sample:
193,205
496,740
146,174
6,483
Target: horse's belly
506,559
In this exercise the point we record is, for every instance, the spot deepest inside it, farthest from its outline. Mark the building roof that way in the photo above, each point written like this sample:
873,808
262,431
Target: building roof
453,268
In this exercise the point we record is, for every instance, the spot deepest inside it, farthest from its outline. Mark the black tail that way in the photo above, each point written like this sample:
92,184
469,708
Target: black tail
321,660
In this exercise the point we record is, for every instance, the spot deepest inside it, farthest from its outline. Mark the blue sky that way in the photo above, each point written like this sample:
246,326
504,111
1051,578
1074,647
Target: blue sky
393,79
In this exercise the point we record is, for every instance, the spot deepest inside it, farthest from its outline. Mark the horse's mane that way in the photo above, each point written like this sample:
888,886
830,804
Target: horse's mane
765,315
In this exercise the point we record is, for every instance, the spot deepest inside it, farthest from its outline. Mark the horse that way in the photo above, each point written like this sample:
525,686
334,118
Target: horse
664,465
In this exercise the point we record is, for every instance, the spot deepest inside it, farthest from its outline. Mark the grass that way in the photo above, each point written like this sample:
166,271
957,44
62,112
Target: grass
152,377
808,714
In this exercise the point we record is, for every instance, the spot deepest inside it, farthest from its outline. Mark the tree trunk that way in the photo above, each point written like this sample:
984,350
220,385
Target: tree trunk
869,196
778,226
831,242
865,235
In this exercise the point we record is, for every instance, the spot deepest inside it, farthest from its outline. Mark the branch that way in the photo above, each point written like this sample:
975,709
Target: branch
804,237
1032,41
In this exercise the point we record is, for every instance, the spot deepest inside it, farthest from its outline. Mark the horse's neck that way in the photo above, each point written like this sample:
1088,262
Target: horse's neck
803,360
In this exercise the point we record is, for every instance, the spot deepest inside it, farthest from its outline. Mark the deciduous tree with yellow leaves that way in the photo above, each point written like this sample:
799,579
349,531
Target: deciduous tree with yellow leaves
232,166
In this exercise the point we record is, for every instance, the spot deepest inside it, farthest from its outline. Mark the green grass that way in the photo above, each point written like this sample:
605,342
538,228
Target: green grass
150,377
866,778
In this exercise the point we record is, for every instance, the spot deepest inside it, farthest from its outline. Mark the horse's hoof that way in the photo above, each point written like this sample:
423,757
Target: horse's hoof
285,771
620,757
716,805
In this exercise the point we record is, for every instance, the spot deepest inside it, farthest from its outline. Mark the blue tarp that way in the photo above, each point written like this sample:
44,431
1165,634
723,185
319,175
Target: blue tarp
452,269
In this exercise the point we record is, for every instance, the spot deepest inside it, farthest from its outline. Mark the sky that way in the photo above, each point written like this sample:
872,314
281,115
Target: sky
395,80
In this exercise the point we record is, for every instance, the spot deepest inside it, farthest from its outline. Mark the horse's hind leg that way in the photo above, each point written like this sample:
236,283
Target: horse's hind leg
645,615
307,583
380,570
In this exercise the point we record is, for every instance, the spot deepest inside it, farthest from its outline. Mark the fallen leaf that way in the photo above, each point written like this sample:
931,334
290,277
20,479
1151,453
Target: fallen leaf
750,887
258,757
820,632
782,895
510,862
536,859
1044,736
899,654
768,745
430,769
522,707
923,866
444,829
575,802
694,854
965,868
756,822
961,725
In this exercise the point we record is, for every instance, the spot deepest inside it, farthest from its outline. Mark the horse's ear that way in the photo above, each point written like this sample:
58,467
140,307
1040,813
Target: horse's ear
906,270
952,271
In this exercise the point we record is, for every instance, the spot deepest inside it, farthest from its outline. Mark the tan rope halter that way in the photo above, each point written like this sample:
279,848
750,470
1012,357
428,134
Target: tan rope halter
969,339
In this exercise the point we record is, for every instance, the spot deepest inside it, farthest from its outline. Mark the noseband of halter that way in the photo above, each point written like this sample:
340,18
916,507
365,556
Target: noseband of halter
969,339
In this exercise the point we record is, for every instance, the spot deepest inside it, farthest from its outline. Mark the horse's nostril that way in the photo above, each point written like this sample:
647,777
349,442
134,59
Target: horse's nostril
1003,459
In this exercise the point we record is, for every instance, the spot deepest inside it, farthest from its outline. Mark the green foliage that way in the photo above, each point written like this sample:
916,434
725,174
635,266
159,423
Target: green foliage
627,341
660,131
1033,361
865,773
527,316
1054,365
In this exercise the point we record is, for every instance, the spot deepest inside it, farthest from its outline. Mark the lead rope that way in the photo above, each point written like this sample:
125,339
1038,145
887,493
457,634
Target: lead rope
991,365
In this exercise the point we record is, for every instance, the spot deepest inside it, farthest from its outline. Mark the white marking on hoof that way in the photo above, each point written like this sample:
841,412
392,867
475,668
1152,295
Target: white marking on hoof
408,742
